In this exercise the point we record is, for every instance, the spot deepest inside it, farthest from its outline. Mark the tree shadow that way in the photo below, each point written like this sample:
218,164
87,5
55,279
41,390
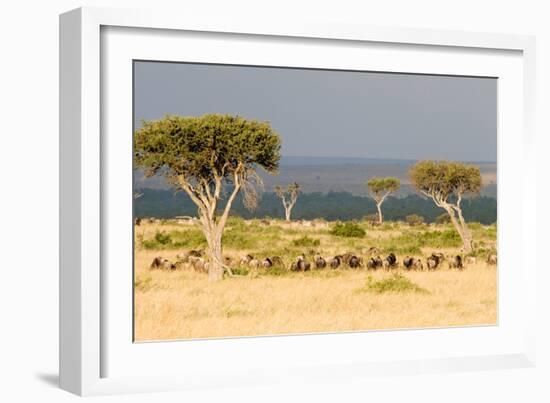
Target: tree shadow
49,379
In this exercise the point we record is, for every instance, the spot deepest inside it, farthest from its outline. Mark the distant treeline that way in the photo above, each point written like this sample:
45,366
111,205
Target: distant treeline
330,206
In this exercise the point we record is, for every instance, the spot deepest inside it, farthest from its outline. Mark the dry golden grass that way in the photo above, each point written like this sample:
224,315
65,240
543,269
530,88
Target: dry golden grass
182,304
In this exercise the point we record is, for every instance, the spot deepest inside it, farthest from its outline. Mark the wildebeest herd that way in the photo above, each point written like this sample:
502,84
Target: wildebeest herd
369,259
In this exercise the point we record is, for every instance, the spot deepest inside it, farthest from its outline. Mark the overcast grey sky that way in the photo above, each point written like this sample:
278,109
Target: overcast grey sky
334,113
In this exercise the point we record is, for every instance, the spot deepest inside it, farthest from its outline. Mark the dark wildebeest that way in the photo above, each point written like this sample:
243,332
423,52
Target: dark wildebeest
156,263
346,257
390,261
320,262
354,262
301,264
434,260
137,221
374,263
408,262
267,263
160,263
456,263
336,261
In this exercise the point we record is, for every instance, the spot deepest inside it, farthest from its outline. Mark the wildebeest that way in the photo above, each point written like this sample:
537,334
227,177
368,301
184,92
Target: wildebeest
371,251
277,261
346,257
184,257
137,221
408,262
156,263
492,259
245,260
160,263
320,262
267,263
412,263
254,263
374,263
354,262
434,260
390,261
456,263
301,264
418,264
336,261
199,264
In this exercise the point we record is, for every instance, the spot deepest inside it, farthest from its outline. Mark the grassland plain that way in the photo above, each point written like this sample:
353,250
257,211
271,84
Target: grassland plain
183,304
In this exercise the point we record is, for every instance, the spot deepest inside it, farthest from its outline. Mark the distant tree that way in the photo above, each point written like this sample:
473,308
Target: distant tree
442,181
291,192
207,157
379,189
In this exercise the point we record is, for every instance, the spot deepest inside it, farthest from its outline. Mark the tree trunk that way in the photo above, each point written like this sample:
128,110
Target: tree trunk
462,230
287,213
215,266
379,207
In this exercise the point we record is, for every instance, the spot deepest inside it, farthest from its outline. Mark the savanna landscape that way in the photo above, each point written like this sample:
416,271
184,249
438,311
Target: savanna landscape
251,226
183,304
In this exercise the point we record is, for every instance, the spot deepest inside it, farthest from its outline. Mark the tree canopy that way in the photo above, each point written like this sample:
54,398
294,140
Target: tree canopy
441,179
205,147
382,185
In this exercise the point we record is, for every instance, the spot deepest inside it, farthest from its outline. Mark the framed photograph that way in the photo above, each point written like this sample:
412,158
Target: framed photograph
246,202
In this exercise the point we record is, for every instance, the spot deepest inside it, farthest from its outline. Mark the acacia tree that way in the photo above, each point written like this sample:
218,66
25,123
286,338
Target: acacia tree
292,193
379,189
211,157
443,181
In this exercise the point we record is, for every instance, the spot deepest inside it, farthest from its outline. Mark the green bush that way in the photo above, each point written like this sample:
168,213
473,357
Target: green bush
414,219
306,241
348,230
394,284
176,239
443,219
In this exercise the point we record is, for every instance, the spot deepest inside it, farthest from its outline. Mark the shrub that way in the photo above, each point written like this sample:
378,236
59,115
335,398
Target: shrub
161,240
348,230
443,219
414,219
371,218
176,239
394,284
306,241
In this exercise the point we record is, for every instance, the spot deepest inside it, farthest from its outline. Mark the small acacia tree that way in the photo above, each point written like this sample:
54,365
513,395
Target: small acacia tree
292,193
209,157
442,181
379,189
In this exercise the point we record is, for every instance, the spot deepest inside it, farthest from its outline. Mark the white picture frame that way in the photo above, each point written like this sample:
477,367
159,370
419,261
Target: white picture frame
97,356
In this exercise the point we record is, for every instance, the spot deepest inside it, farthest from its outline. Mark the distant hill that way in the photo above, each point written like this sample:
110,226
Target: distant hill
338,174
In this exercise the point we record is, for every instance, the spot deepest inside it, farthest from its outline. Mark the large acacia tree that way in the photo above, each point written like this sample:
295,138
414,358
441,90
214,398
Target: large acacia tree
288,197
212,157
380,189
446,183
